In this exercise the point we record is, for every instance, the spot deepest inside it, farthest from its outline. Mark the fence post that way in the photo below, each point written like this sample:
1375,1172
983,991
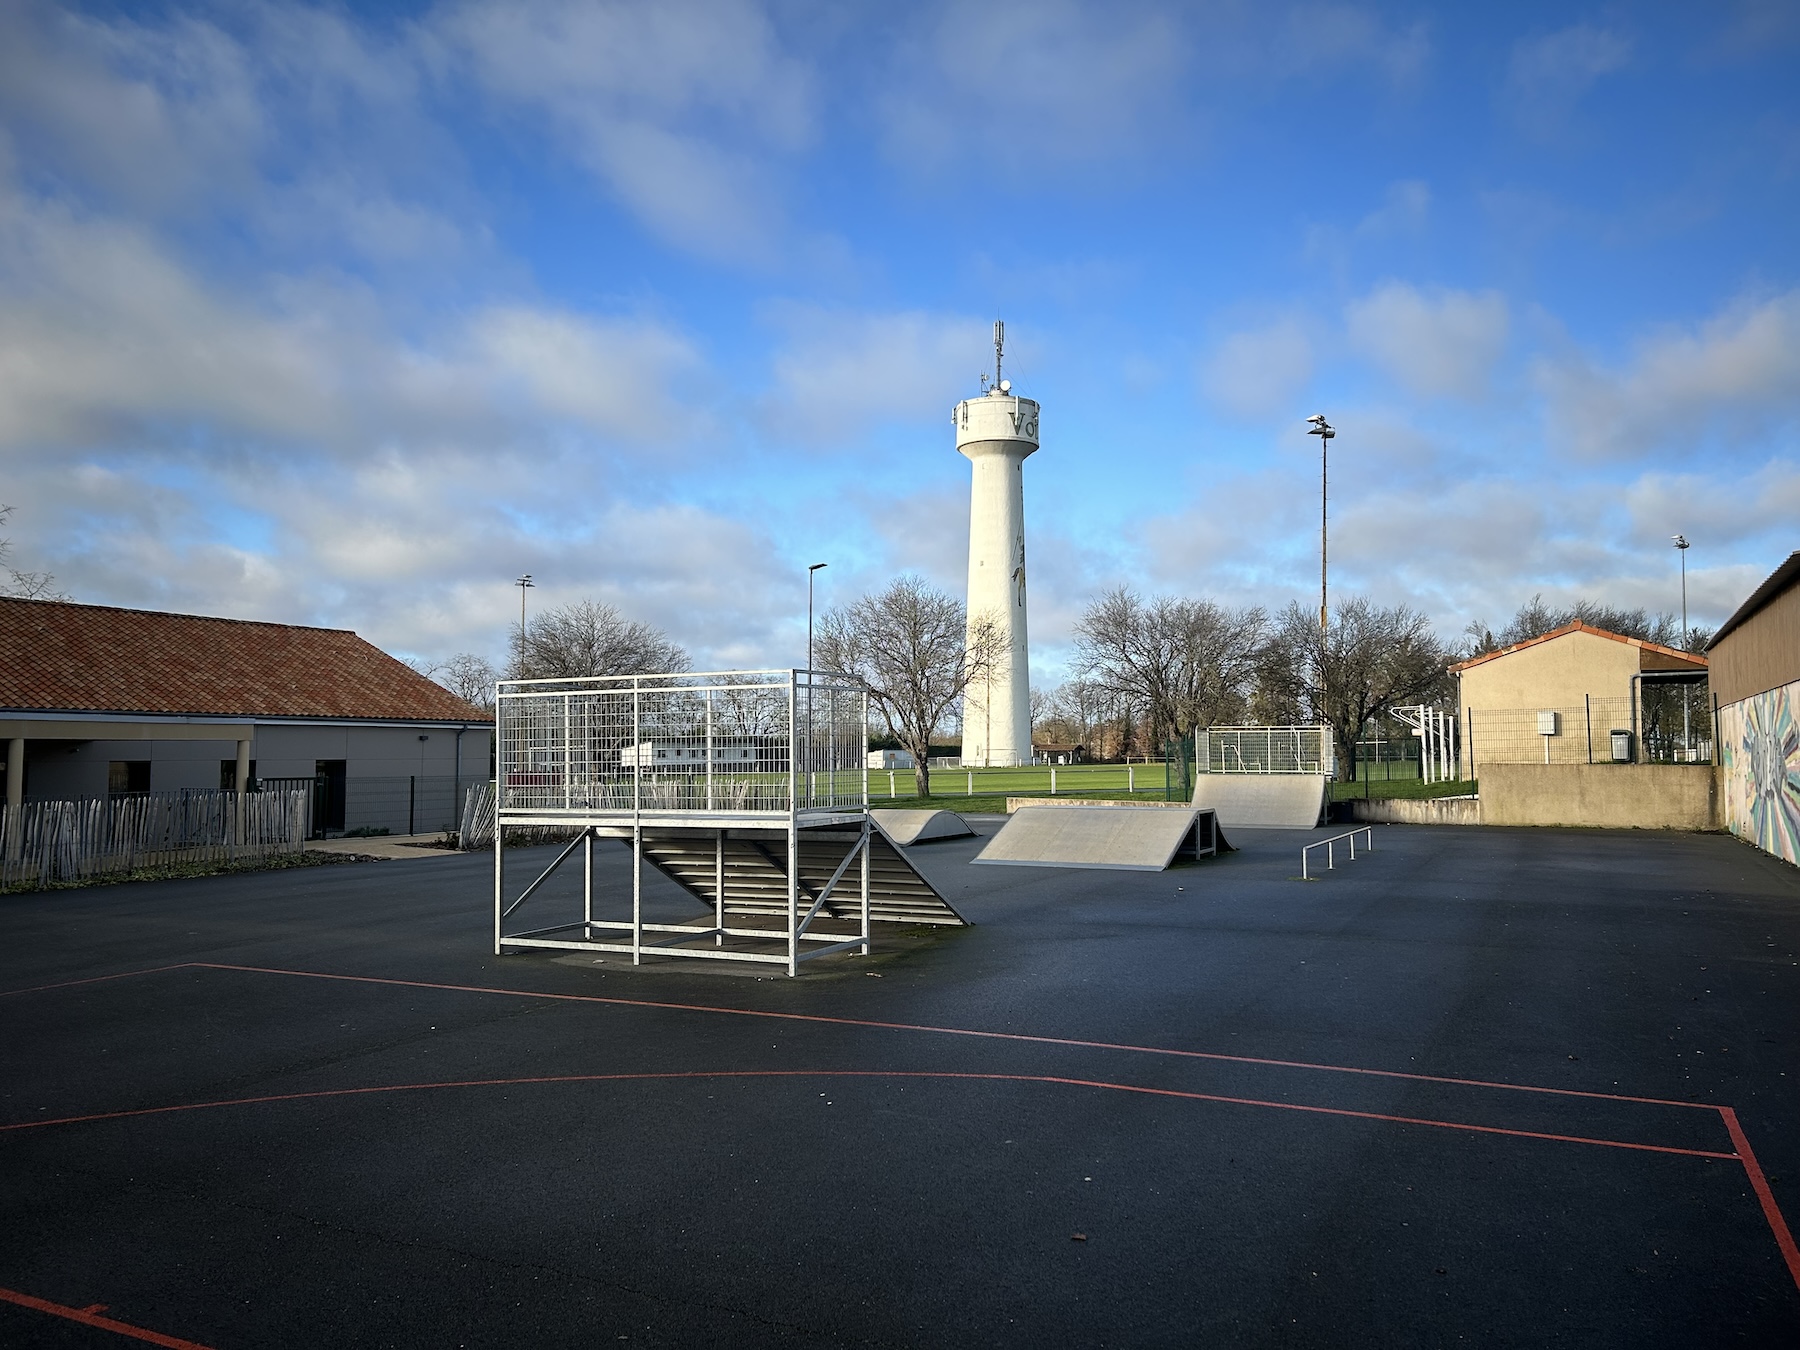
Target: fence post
412,803
1130,777
1588,703
1053,780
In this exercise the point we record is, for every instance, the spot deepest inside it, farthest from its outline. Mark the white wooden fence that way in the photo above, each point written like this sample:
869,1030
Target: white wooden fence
477,817
42,843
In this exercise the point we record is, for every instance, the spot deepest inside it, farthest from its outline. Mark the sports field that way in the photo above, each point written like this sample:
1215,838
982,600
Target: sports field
1485,1087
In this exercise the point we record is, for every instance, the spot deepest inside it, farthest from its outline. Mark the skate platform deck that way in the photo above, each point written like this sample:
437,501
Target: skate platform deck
1122,838
1272,801
921,827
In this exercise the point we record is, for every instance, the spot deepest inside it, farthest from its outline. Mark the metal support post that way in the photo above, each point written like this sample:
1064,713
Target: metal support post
587,880
499,860
719,888
867,848
793,832
637,893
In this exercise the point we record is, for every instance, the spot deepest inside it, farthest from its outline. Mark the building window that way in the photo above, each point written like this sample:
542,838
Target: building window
125,776
228,776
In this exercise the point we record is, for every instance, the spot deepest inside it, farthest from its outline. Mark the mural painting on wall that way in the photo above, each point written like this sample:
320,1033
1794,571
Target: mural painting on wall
1760,747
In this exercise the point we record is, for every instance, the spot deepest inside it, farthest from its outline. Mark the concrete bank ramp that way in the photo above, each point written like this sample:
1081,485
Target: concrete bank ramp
1125,838
921,827
1278,801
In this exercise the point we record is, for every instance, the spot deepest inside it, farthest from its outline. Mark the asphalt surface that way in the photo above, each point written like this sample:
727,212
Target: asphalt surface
609,1172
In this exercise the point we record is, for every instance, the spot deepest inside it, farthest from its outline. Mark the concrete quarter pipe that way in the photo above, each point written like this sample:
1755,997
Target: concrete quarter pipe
1280,801
1128,838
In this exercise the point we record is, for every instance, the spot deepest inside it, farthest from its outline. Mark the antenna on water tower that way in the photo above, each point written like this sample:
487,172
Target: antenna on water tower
999,345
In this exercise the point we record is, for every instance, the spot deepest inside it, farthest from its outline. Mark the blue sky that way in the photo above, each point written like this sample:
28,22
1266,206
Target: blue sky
348,315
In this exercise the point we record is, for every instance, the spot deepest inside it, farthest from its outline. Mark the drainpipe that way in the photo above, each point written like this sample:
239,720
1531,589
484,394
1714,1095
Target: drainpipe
456,782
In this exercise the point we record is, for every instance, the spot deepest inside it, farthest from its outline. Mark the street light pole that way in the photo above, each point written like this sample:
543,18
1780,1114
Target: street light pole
810,573
1681,545
1324,431
524,583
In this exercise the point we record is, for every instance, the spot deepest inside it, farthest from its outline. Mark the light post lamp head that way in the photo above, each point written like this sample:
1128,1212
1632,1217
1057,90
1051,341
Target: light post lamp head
1681,541
1320,427
816,566
524,581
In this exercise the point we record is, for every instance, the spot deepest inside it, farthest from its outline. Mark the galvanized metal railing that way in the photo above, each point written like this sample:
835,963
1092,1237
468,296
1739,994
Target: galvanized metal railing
1330,847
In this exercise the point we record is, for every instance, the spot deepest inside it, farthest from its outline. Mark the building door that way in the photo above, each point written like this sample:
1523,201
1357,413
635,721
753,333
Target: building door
328,796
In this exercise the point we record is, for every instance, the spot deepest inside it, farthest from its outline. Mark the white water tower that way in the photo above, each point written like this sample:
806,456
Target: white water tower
996,432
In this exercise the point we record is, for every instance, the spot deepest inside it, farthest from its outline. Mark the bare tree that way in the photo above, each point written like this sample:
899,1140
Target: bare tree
470,677
23,585
917,650
1184,663
1370,661
1074,711
588,638
1535,618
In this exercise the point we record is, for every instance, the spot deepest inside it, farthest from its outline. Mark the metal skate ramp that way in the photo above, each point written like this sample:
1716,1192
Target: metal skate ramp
745,872
1122,838
921,827
1279,801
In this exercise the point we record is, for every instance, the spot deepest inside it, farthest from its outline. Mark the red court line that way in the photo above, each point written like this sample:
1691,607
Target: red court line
1778,1225
949,1031
98,979
1766,1197
91,1317
861,1073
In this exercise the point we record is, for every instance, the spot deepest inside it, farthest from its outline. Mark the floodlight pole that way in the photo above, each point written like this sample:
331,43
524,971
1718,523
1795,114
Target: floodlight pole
810,573
1681,546
524,583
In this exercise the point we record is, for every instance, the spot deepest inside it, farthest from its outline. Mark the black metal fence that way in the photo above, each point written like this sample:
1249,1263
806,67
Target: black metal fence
413,804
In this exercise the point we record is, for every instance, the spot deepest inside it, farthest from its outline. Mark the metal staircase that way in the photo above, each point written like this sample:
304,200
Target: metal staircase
752,866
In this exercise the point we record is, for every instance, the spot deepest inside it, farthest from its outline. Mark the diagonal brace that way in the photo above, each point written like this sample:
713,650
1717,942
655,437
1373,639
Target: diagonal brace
836,877
560,859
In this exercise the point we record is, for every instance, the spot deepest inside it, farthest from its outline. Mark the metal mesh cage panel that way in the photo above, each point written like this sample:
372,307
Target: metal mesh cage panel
758,742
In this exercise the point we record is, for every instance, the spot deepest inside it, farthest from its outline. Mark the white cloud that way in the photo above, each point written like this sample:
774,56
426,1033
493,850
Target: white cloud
105,339
1442,344
678,108
1010,86
1260,371
1547,76
1336,36
839,373
1733,377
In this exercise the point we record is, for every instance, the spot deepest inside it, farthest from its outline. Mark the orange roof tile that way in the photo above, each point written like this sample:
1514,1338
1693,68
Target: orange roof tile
93,658
1698,662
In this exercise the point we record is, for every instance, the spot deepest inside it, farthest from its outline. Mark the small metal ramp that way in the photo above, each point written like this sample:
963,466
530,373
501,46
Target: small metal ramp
1279,801
751,868
1122,838
921,827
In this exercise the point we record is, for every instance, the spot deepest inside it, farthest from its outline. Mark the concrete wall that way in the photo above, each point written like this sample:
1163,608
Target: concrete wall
1405,811
1759,746
1615,796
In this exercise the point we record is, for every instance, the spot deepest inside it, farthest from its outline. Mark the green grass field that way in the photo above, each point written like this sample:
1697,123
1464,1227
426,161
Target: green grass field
949,786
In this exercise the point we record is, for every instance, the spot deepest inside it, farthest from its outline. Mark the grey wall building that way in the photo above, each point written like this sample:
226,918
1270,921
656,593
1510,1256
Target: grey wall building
97,701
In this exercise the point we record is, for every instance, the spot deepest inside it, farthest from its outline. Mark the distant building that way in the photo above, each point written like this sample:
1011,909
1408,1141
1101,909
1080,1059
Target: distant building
97,701
890,759
1052,752
1558,698
1756,685
742,753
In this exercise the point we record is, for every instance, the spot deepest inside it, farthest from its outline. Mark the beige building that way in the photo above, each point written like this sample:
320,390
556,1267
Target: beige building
1559,699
